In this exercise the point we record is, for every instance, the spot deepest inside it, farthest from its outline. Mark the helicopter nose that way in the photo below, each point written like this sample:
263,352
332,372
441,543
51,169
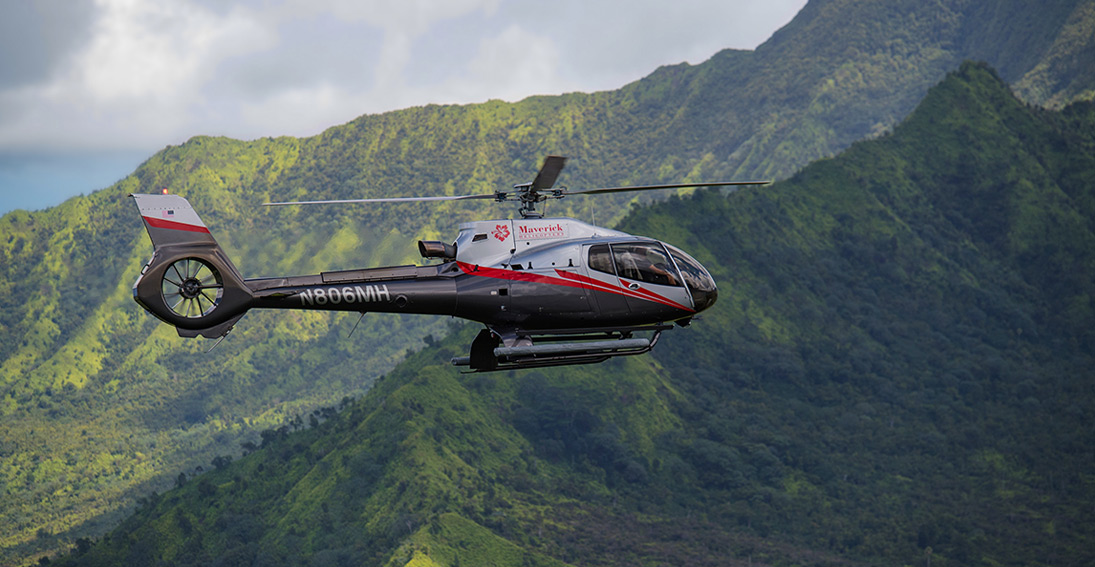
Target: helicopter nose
704,299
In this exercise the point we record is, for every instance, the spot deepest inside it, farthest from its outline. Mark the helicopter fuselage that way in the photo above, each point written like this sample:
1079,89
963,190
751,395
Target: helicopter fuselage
530,274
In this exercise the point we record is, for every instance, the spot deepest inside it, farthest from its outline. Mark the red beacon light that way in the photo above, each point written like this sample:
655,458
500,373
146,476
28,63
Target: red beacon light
164,191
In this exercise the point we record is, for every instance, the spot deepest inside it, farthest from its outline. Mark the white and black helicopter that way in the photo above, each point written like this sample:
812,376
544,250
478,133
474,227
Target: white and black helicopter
550,291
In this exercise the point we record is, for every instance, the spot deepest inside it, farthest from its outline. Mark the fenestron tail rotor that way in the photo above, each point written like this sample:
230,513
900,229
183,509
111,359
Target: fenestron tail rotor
539,190
192,287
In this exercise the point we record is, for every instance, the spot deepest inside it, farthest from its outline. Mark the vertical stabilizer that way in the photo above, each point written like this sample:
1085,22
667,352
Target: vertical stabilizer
171,220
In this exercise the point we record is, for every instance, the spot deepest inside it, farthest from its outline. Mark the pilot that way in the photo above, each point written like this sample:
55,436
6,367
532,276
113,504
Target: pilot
652,265
662,270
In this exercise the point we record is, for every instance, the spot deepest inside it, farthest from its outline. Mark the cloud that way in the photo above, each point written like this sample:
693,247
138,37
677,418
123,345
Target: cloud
125,77
36,36
603,45
158,51
516,61
127,74
140,77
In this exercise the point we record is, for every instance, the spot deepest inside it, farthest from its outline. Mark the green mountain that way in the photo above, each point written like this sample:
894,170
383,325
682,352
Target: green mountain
898,369
100,404
843,70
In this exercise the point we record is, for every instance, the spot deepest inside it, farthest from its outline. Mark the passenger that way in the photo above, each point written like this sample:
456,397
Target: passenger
654,268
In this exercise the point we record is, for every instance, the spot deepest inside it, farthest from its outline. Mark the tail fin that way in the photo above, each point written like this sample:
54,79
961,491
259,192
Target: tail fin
189,282
171,221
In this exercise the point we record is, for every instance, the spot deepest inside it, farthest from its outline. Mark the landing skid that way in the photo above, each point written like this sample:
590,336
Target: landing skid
558,347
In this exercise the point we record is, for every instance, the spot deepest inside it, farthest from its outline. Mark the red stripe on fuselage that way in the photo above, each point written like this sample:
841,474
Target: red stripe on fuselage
569,279
518,276
641,293
162,223
595,284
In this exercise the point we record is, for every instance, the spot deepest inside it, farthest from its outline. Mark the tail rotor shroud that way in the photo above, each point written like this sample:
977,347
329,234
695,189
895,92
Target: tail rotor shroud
192,287
189,282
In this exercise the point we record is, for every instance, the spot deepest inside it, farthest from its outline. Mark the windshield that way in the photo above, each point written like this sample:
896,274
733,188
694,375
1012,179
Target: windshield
644,262
695,275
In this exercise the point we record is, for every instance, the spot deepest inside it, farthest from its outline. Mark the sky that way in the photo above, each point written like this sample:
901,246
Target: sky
89,89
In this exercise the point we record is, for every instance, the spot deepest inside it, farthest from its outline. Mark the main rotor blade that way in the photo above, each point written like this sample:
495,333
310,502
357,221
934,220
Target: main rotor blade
387,200
669,186
549,172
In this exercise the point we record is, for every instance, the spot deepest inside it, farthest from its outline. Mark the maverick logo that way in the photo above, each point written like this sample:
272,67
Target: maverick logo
501,232
536,232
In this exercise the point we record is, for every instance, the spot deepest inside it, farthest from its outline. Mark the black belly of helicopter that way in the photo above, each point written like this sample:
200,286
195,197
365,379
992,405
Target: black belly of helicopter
533,319
510,299
539,319
555,299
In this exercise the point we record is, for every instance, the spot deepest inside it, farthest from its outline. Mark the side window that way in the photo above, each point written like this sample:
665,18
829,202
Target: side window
646,263
600,259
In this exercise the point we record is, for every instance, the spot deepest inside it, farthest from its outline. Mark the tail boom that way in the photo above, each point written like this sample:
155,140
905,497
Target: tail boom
399,289
190,282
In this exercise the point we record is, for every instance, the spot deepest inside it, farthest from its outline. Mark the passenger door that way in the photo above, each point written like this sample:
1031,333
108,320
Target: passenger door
602,274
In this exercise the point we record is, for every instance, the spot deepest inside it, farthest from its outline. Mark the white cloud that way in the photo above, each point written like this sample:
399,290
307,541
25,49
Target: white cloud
401,24
154,72
516,61
133,74
407,17
141,77
299,111
148,51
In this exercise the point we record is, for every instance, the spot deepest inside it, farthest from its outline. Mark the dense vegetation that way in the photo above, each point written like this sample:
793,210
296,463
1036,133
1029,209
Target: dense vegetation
899,367
908,328
100,404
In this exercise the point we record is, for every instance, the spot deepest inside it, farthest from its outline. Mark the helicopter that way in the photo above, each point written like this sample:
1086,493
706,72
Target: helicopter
549,291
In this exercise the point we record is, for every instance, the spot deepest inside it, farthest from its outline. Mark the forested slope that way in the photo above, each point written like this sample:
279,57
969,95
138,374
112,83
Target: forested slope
896,368
843,70
908,326
100,404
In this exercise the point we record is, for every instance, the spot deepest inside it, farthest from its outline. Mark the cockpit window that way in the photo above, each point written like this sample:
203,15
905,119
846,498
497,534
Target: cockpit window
600,259
644,262
693,272
641,262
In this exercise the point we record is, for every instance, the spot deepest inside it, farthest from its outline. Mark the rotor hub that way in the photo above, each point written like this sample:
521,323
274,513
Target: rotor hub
190,288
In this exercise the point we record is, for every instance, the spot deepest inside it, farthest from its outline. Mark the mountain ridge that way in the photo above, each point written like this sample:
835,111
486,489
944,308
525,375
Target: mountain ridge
854,397
81,358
